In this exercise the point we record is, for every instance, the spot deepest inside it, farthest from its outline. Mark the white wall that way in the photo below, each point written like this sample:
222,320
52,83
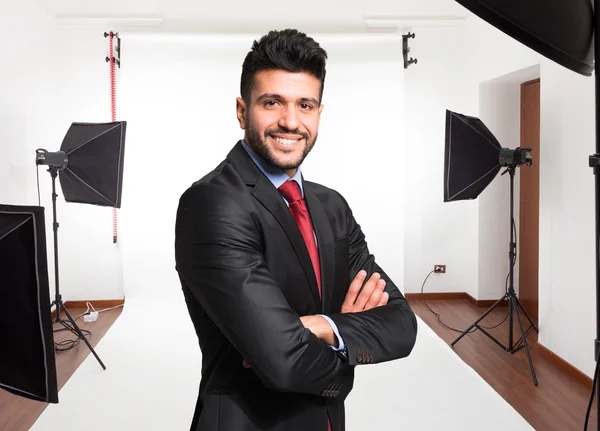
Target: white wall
436,232
178,94
27,73
55,76
27,109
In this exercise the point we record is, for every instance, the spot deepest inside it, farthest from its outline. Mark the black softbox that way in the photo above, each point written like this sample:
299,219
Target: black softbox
27,363
561,30
94,173
471,158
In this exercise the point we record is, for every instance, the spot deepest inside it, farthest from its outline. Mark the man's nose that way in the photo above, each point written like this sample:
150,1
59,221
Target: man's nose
289,118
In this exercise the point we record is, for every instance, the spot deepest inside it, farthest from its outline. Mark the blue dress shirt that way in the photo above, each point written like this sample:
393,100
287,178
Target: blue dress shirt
278,177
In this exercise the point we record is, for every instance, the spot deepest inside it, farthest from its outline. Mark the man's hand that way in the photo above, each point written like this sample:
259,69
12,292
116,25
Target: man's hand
371,296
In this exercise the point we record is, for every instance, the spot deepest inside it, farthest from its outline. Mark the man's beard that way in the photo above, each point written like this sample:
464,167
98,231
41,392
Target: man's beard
259,145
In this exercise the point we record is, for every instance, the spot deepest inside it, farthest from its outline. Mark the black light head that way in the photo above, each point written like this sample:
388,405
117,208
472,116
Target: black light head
58,160
516,157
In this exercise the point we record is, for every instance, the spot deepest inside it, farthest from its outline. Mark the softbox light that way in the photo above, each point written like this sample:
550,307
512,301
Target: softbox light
561,30
90,163
90,166
471,157
27,363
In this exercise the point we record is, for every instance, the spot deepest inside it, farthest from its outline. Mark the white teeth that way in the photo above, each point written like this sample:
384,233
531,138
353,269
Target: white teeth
286,141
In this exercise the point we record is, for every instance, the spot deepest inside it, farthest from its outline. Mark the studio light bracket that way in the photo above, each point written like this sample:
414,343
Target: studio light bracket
406,50
116,58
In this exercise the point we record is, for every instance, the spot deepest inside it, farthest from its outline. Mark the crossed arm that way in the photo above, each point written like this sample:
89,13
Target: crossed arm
218,254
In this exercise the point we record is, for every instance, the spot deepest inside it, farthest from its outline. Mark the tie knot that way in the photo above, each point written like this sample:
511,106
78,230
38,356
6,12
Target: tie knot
291,191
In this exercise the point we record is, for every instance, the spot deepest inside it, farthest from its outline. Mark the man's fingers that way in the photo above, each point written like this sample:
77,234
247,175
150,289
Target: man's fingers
383,299
353,290
376,295
365,294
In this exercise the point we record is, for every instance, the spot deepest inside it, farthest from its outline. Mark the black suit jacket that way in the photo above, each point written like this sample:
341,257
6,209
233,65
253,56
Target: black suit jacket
247,278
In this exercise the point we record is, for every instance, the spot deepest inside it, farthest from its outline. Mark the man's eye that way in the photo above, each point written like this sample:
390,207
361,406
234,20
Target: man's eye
305,106
270,103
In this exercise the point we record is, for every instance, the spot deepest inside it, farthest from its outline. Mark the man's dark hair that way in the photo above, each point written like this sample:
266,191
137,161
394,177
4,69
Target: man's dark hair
288,50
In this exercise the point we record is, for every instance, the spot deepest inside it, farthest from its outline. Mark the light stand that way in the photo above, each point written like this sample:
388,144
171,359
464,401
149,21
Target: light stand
513,301
595,163
90,163
69,324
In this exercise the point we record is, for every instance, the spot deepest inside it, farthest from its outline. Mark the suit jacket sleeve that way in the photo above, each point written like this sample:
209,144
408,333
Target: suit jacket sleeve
383,333
218,256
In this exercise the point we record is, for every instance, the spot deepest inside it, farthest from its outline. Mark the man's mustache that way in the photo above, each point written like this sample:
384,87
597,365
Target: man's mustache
286,132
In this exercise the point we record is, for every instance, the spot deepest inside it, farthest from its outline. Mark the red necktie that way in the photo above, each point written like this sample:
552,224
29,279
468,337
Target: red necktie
291,192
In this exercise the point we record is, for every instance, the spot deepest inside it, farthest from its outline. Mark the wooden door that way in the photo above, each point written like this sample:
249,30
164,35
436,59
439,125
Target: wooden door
529,217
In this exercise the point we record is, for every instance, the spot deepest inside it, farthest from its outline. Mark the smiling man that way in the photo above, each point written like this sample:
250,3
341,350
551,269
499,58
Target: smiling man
285,297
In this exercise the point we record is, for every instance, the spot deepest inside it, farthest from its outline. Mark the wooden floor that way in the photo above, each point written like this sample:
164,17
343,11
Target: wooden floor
19,414
559,402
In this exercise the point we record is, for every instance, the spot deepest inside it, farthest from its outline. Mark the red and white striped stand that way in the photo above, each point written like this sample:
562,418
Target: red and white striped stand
112,60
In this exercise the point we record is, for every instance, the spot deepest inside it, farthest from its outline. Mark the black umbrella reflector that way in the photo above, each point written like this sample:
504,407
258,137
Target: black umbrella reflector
561,30
94,174
90,163
27,363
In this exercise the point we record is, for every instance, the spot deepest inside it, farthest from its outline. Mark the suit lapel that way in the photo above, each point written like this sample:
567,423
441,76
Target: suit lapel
271,199
324,241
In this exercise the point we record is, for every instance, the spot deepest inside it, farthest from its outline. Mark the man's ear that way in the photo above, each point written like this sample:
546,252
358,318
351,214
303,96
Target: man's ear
241,111
321,106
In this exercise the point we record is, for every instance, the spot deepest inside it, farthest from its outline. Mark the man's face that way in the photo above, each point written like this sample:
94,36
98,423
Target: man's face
282,118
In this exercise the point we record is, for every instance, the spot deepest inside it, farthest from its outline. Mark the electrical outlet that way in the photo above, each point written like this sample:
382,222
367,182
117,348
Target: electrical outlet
440,269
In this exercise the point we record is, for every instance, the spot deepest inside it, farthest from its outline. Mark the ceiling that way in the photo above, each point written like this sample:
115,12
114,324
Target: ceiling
249,15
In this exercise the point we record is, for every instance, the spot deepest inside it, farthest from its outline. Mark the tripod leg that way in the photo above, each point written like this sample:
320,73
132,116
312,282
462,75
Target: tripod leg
510,323
527,315
82,336
478,320
524,341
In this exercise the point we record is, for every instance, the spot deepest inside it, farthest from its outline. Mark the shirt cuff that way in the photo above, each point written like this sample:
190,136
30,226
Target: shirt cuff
336,331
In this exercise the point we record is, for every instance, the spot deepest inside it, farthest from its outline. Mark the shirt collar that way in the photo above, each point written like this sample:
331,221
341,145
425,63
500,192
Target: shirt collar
275,175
